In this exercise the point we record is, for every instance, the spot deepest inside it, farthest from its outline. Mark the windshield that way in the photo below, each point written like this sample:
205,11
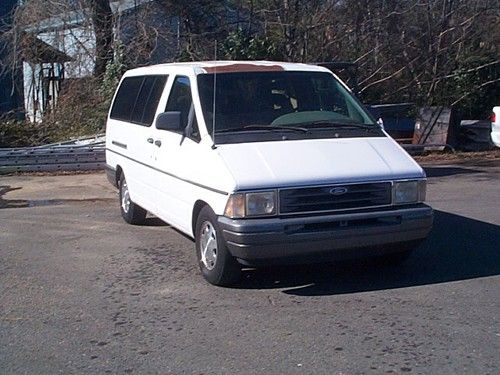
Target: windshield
252,101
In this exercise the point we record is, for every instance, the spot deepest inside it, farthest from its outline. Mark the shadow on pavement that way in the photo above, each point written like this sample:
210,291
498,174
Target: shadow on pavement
153,221
12,203
458,248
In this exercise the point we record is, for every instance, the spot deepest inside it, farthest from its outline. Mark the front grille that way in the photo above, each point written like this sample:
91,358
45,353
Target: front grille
334,197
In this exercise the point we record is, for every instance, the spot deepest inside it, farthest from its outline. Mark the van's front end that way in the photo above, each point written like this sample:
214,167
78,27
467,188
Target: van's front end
315,176
324,198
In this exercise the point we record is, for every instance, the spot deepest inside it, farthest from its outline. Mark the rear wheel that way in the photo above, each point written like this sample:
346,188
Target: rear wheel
131,212
217,265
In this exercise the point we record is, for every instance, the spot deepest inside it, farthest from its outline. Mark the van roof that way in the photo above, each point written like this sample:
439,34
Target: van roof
225,66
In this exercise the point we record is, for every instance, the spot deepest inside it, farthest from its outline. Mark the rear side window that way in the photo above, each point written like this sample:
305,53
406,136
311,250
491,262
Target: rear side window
125,98
137,99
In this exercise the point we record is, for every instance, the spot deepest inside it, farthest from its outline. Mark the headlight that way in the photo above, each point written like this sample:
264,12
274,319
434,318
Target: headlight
251,204
261,203
404,192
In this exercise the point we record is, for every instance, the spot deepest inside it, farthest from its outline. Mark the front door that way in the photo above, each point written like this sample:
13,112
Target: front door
175,158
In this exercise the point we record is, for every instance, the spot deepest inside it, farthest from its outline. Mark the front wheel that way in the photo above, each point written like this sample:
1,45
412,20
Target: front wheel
131,212
217,265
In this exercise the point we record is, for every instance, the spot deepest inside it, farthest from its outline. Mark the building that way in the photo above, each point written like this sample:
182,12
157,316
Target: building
60,49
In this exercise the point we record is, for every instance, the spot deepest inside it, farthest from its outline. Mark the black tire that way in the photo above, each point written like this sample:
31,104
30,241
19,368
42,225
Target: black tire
219,267
131,212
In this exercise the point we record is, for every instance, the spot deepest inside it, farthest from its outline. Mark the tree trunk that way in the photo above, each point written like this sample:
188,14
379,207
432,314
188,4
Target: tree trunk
102,19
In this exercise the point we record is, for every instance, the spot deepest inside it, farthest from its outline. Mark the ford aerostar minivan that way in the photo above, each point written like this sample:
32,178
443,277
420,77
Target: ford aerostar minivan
262,163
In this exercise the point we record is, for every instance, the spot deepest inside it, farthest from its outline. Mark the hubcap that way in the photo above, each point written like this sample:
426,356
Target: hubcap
125,197
208,245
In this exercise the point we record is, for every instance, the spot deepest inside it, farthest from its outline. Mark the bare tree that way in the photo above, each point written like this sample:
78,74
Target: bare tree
426,51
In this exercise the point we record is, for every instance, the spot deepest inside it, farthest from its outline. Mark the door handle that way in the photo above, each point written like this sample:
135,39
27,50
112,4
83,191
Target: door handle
158,143
150,140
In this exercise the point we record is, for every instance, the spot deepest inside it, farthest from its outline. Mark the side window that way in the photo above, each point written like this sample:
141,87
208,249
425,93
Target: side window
137,99
125,98
141,100
181,100
154,97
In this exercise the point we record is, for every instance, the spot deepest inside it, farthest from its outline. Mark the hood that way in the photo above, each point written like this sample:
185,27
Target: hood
258,165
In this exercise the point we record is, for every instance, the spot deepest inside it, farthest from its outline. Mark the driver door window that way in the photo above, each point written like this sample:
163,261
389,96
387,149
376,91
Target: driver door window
181,100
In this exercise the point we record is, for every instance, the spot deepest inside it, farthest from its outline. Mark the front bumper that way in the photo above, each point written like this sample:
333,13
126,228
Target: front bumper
257,241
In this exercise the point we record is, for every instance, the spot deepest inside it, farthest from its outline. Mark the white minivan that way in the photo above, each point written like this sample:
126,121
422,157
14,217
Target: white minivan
262,163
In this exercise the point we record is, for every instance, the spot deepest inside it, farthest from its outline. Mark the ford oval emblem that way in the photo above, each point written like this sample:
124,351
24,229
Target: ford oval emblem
338,190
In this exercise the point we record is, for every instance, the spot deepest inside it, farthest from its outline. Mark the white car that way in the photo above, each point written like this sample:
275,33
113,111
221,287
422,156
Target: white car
261,162
495,126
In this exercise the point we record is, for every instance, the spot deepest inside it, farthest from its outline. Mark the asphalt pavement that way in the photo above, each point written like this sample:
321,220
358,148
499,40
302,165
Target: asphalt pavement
83,292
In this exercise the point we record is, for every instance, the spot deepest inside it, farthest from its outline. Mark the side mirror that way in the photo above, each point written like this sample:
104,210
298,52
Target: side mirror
169,121
380,123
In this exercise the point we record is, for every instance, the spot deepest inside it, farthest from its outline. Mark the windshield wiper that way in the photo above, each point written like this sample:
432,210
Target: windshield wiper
276,128
271,128
328,124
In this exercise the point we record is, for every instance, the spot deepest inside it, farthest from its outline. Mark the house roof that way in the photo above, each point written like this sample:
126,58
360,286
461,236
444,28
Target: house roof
36,51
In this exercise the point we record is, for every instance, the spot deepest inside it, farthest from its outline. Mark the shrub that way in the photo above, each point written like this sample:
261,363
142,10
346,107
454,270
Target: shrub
81,110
